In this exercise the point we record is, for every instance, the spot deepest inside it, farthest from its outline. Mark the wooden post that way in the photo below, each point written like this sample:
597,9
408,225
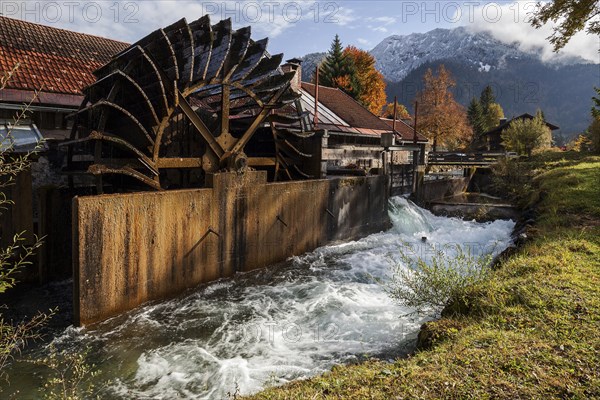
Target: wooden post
394,120
415,123
316,116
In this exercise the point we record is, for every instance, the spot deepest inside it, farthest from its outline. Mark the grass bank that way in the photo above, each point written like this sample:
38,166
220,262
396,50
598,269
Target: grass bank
531,331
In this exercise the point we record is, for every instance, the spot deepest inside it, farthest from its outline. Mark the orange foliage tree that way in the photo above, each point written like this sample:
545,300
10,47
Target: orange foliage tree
401,111
440,117
370,90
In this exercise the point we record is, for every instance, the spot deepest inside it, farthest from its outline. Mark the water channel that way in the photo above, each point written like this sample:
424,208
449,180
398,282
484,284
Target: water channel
267,327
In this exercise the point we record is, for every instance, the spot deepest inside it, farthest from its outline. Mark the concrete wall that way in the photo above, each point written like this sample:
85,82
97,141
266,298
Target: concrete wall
438,189
131,248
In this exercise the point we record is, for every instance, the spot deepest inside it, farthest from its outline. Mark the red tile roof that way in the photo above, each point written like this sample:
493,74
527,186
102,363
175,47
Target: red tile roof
346,107
357,116
54,60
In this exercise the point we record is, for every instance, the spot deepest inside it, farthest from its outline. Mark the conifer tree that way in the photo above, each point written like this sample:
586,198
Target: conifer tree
475,117
487,98
337,69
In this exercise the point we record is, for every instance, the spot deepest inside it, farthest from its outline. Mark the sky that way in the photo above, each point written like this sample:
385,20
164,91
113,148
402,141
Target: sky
296,28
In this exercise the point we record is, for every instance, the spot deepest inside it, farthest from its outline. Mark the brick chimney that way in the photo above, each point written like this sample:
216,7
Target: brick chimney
294,64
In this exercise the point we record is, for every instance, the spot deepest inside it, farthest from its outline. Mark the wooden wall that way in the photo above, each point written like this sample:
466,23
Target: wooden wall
132,248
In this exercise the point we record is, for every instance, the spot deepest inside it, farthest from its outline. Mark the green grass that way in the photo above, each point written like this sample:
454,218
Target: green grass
530,331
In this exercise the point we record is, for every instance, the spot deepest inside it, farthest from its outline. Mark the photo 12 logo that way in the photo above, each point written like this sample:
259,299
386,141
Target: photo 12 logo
71,11
129,12
290,332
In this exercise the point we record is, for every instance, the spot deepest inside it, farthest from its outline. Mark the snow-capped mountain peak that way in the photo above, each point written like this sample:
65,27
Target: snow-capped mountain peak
397,55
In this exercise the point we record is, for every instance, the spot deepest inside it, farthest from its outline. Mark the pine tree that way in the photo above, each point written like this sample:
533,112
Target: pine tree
487,98
337,69
475,117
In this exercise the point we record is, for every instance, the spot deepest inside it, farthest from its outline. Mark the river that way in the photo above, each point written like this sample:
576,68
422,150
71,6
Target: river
266,327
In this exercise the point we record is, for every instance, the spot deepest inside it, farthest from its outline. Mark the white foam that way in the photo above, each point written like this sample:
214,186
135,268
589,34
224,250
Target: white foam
269,327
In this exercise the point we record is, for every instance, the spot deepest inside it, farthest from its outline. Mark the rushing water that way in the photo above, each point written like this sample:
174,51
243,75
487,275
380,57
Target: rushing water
267,327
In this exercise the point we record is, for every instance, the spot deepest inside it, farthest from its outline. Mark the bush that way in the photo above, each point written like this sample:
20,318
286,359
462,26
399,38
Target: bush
524,136
425,285
511,178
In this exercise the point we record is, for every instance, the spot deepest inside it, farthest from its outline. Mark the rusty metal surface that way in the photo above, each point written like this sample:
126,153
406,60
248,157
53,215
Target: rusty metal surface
132,248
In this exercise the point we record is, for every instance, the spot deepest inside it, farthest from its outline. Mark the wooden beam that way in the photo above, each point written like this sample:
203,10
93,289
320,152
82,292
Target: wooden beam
260,118
225,92
179,163
206,134
261,162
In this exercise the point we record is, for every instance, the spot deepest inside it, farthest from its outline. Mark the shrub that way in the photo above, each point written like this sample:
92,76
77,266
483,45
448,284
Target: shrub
424,285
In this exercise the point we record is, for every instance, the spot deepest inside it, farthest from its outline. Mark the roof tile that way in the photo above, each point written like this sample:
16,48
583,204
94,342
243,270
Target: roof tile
356,115
51,59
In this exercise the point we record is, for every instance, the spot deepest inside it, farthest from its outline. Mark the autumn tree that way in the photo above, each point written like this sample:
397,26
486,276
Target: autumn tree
369,85
401,111
526,135
491,111
571,17
492,116
337,69
440,117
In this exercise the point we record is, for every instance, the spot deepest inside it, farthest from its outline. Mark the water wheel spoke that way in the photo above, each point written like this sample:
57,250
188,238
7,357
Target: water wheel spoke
189,95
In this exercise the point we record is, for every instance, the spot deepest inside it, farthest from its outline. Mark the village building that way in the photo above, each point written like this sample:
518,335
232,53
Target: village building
492,139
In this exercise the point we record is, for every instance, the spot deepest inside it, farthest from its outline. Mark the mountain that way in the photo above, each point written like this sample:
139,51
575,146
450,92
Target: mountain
309,65
522,81
397,55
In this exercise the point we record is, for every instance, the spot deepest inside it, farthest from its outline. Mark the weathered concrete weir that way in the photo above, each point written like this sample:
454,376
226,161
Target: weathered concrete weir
132,248
478,206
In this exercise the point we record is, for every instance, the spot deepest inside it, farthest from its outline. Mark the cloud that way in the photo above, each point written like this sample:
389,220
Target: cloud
128,21
508,23
341,16
377,28
384,20
363,41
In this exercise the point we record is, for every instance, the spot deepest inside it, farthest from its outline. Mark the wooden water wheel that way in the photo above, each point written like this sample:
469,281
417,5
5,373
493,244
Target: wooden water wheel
182,102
